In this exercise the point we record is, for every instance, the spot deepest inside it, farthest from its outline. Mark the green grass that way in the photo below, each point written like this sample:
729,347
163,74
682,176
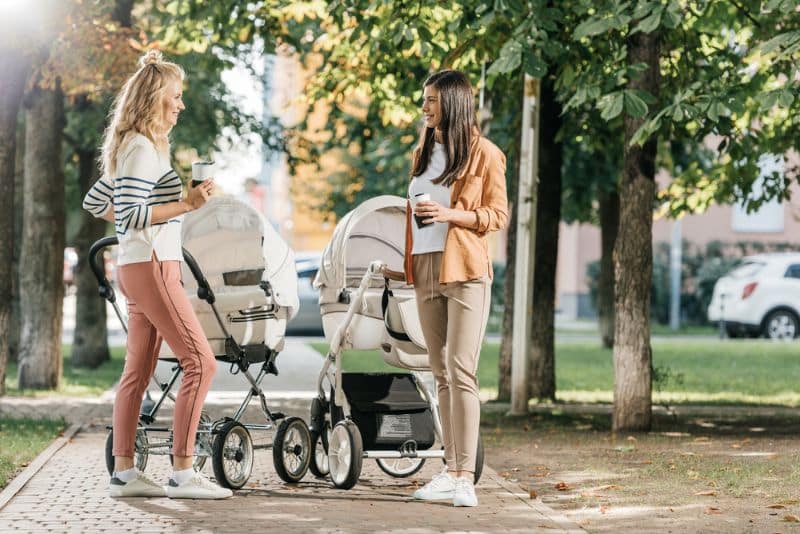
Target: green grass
692,371
76,382
589,327
22,440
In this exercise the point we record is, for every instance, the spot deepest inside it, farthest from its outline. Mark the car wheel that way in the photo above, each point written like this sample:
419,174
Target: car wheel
781,324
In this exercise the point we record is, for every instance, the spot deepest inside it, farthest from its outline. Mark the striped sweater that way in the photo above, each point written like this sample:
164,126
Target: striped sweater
144,180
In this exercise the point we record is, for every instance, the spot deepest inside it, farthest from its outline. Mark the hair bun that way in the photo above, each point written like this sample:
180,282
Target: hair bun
151,57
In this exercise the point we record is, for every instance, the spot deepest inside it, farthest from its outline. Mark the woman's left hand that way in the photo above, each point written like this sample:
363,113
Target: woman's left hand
432,212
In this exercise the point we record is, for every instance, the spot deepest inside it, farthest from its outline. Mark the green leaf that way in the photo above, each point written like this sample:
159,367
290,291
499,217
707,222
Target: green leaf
782,40
786,98
535,66
649,24
611,105
509,60
592,27
644,8
634,105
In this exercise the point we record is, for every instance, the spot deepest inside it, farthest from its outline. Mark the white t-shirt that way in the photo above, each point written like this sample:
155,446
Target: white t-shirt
143,179
431,237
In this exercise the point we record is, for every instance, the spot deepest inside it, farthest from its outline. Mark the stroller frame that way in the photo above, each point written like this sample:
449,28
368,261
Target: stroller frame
343,447
226,441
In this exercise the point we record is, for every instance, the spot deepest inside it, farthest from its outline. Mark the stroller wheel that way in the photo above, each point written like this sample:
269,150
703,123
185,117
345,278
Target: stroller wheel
139,455
202,442
344,454
232,455
478,460
319,447
400,467
291,450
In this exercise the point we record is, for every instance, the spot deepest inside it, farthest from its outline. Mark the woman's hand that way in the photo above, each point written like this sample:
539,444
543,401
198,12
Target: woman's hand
432,212
198,196
397,276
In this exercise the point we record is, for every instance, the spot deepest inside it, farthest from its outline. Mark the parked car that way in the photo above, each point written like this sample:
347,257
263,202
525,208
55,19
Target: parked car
308,320
759,297
70,263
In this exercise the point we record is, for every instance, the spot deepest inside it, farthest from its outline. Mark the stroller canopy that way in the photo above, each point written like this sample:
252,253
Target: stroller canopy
374,230
236,246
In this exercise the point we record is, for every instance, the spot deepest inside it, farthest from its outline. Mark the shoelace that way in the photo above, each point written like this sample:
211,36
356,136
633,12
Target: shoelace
464,485
143,478
439,478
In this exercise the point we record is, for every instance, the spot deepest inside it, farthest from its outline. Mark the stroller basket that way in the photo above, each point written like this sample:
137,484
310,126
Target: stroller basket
388,410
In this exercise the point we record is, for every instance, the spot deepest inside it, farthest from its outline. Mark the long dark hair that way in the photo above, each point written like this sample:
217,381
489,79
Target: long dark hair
457,104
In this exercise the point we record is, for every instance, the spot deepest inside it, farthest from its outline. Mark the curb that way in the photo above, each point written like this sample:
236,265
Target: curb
28,473
559,519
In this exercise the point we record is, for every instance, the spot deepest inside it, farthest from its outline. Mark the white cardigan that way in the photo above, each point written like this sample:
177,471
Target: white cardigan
143,179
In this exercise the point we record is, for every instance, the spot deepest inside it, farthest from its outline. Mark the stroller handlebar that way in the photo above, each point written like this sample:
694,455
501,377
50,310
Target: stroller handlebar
99,270
107,291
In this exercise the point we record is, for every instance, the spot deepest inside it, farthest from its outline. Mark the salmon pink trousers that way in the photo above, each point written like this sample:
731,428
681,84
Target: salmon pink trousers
158,309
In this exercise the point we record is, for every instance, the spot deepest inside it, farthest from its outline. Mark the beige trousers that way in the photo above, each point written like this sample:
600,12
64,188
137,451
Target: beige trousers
453,318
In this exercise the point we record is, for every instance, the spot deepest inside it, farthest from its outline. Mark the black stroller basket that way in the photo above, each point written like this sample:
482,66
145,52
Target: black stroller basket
388,409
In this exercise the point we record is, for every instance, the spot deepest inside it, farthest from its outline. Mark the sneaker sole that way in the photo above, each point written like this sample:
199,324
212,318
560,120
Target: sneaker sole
434,497
204,496
121,495
462,504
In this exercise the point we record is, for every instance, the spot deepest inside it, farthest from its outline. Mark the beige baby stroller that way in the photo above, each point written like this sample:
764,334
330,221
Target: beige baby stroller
240,277
391,417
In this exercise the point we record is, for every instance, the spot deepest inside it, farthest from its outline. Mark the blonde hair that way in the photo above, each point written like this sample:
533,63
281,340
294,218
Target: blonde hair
138,108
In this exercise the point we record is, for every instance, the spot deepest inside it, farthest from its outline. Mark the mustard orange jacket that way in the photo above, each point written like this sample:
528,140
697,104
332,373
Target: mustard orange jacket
481,188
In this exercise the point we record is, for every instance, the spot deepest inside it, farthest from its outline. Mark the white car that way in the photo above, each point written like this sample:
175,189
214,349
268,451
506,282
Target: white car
760,297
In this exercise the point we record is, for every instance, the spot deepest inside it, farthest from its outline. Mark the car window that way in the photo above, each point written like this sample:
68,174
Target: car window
746,269
793,271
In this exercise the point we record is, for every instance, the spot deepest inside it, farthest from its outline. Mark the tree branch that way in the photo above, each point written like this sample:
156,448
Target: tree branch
746,13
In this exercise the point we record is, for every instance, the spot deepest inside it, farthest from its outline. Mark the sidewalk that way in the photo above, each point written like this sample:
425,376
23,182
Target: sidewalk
69,493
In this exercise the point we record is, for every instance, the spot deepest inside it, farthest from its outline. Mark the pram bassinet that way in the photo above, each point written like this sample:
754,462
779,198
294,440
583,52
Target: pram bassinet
375,230
250,269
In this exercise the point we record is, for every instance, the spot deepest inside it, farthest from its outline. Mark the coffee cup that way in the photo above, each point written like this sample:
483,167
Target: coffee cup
202,171
419,197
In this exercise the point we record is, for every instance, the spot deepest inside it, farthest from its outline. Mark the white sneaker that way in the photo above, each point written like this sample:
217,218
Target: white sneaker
141,486
440,487
197,487
464,494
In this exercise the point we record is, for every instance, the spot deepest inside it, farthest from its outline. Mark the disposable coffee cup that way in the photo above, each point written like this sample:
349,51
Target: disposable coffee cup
419,197
202,171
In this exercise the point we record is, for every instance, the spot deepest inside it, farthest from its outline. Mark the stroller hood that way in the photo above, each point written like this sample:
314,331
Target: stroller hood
374,230
229,238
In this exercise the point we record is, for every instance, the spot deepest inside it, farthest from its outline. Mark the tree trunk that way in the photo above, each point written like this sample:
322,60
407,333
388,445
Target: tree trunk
90,340
13,75
609,225
41,281
19,204
542,371
633,256
507,327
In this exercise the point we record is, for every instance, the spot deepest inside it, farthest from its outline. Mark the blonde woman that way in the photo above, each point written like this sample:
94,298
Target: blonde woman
141,194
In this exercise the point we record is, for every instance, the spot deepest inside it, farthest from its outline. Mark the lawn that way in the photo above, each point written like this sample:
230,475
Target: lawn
22,440
76,382
702,370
